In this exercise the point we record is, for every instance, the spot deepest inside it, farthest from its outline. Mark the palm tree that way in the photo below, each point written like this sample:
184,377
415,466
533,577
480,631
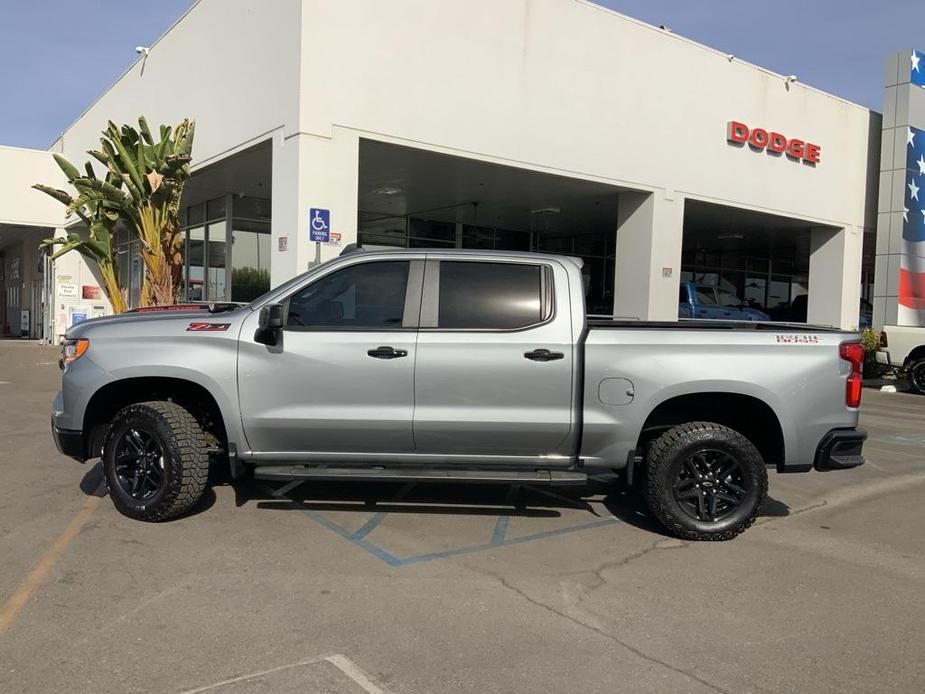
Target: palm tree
154,174
100,217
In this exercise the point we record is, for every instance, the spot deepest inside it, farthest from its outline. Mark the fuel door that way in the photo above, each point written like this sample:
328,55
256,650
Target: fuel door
616,391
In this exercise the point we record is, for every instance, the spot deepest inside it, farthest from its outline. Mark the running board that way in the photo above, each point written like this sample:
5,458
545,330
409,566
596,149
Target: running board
287,473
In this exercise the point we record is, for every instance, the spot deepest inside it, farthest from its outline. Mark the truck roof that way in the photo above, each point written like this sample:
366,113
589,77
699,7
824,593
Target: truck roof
467,252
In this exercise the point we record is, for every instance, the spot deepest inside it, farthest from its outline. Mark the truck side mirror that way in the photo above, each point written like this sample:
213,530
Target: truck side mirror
269,324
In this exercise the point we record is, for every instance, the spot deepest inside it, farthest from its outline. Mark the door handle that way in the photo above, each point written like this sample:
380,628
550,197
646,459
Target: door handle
543,355
387,353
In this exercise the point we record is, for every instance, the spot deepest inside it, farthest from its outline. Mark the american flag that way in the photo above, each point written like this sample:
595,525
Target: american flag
918,68
912,258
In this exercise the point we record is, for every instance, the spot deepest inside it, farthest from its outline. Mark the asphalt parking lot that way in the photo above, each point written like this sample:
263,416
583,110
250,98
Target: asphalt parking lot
387,588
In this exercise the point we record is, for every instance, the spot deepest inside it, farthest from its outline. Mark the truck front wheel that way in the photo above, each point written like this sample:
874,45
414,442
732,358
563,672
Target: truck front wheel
155,461
704,481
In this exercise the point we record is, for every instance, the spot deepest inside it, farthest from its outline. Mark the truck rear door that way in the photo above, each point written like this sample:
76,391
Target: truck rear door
495,359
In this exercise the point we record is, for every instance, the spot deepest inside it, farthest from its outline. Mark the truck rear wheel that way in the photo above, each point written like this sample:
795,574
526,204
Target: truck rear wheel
916,373
704,481
155,461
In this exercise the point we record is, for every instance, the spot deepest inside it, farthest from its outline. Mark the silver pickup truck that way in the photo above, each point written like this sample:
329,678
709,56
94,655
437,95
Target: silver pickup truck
457,366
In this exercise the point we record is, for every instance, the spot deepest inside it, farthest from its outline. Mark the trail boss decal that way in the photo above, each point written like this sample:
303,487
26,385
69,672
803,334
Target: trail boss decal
798,339
200,327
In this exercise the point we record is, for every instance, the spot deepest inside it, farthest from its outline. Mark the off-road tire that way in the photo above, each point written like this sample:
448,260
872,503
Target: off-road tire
185,459
916,376
664,460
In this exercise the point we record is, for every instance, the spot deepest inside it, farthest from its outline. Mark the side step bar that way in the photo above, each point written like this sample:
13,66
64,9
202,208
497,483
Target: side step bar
287,473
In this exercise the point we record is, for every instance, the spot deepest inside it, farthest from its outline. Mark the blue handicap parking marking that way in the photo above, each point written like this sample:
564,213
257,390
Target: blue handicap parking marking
499,535
319,225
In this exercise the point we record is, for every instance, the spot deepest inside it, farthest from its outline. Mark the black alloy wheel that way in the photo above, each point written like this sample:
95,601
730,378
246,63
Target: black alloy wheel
710,485
139,464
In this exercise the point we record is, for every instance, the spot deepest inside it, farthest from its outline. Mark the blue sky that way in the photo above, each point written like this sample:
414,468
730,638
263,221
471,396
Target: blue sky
57,56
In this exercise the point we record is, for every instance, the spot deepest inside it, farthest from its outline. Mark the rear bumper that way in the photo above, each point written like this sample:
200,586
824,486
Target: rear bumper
840,449
882,356
70,442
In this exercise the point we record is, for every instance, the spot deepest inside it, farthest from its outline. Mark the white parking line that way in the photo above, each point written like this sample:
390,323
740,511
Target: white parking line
341,662
349,668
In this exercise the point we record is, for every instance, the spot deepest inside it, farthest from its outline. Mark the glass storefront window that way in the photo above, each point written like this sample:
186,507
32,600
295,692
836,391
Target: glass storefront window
215,260
195,215
478,237
250,261
137,274
755,290
779,292
215,209
376,230
195,264
423,233
509,240
251,208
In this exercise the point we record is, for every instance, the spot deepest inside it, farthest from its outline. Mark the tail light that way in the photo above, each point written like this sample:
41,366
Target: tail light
883,341
853,352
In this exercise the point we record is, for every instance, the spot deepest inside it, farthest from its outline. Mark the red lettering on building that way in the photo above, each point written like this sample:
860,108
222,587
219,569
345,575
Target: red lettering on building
774,142
778,143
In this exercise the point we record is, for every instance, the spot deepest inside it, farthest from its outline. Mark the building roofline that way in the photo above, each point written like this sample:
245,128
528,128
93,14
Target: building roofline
26,149
587,3
678,37
121,76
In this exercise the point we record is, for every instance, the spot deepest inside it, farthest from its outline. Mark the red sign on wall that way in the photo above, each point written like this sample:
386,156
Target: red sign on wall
773,142
91,292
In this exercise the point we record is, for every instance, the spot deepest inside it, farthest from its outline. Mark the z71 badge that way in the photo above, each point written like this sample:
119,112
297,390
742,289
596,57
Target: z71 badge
208,327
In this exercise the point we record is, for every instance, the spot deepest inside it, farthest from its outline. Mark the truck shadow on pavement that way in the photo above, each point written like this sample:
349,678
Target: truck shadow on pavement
355,510
93,484
630,508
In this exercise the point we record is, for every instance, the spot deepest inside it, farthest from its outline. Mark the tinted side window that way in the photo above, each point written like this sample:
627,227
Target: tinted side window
499,296
683,298
367,295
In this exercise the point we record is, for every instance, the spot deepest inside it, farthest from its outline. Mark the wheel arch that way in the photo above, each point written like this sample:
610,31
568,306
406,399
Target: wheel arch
747,414
113,396
915,355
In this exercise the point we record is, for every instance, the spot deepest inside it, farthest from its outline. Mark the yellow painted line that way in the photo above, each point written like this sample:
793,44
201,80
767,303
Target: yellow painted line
44,565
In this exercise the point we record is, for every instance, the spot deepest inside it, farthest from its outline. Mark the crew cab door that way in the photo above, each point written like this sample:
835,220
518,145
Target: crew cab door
495,359
341,377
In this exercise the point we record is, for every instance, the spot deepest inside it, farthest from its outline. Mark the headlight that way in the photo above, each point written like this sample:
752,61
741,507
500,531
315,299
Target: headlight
72,350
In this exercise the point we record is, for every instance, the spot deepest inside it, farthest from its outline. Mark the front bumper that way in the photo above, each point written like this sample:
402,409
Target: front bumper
840,449
70,442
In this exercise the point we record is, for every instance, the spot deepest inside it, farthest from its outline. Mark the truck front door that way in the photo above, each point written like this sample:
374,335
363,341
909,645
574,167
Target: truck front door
495,359
341,378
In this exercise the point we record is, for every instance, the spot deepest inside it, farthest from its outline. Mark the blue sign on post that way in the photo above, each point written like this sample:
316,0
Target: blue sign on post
319,225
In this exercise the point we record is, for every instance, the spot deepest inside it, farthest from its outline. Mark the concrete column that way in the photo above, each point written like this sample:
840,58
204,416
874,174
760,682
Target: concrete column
834,277
311,171
650,228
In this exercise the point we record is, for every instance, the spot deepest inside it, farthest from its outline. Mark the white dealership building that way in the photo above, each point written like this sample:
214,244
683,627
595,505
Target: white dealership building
547,125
